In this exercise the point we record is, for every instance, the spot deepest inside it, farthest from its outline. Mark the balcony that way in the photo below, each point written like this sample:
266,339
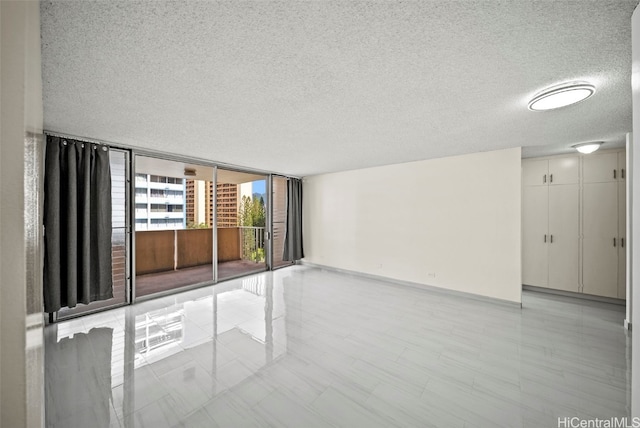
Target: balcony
165,214
172,199
169,259
164,186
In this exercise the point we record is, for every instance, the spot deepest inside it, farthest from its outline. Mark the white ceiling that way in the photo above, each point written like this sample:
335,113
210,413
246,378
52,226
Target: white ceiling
309,87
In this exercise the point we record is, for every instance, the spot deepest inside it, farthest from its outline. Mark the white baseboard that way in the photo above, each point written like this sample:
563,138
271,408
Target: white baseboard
582,296
425,287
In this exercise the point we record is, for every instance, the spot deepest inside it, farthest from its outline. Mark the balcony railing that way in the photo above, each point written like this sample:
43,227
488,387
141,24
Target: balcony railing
166,214
164,186
167,250
170,199
252,243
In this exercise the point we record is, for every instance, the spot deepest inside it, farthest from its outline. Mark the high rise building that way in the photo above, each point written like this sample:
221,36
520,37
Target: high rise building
160,202
200,203
227,198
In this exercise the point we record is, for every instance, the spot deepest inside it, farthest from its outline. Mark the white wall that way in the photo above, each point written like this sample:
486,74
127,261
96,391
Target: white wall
452,222
629,229
635,212
20,127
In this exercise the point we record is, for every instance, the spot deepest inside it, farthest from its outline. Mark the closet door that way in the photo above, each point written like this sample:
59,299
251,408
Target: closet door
535,214
564,170
600,239
535,172
600,168
564,239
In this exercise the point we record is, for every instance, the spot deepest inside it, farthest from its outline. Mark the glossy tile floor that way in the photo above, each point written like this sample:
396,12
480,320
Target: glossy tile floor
303,347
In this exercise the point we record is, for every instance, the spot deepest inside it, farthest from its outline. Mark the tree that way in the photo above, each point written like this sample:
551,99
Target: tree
258,213
252,213
192,225
244,212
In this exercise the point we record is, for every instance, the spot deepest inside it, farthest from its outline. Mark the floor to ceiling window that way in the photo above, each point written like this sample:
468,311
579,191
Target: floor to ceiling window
242,207
180,224
173,225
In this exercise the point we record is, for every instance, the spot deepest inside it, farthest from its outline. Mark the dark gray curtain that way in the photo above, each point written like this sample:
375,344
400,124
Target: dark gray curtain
77,222
293,233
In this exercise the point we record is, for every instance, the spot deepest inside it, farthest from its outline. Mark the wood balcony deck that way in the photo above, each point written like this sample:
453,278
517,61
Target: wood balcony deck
155,282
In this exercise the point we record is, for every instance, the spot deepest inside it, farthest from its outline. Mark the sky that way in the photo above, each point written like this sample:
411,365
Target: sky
259,186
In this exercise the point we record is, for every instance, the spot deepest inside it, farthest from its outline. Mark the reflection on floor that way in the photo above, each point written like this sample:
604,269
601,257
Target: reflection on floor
154,282
238,267
303,347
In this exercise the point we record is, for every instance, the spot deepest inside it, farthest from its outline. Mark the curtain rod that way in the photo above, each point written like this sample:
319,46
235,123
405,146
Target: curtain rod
165,155
84,140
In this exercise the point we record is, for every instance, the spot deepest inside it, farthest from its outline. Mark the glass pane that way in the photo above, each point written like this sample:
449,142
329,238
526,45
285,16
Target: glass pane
241,220
119,260
118,161
173,224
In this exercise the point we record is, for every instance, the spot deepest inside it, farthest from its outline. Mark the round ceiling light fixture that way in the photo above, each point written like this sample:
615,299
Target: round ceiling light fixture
561,96
586,148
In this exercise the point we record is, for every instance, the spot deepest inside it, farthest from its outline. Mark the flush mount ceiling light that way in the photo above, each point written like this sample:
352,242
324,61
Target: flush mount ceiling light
561,96
587,148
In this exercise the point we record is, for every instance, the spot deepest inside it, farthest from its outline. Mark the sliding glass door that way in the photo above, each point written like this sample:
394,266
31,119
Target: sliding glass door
174,217
187,216
193,224
242,205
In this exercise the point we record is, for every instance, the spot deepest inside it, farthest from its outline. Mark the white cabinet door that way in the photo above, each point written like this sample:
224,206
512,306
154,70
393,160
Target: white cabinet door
600,168
622,166
600,228
534,234
564,237
564,170
622,245
534,172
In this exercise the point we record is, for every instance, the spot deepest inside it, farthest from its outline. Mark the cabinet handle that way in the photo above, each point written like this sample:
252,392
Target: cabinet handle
614,242
544,178
621,242
614,174
550,178
622,173
545,239
551,239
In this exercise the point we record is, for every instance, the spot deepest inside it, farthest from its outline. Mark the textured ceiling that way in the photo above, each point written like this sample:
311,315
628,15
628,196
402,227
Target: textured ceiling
309,87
